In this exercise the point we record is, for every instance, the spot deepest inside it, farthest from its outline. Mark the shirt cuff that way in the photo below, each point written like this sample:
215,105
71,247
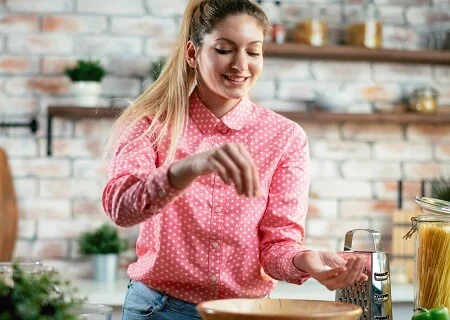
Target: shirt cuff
159,185
296,275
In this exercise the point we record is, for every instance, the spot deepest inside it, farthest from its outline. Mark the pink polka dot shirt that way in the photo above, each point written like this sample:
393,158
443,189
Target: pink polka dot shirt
206,242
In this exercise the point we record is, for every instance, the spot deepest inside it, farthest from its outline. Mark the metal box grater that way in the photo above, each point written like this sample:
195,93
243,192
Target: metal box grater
373,295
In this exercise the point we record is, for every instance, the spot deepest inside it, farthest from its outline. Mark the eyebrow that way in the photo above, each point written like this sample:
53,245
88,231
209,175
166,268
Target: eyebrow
228,40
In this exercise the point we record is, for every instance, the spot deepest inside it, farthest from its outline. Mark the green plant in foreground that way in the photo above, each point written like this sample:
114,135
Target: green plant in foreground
86,70
35,297
440,188
104,240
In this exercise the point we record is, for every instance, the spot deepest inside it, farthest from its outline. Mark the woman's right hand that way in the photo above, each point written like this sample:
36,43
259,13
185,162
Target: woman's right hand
231,161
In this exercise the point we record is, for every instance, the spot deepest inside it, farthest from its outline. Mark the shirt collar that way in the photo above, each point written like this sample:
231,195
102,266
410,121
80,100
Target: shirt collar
206,121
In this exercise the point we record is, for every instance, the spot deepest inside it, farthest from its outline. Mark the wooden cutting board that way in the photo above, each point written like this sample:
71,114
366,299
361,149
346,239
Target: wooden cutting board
9,213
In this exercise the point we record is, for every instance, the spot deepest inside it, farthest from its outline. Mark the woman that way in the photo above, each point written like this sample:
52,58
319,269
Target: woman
218,184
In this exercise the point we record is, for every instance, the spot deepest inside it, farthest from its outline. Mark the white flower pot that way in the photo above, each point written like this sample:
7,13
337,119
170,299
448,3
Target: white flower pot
106,267
87,93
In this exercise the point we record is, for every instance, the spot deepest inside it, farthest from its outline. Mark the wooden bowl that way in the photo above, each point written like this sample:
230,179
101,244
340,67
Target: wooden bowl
280,309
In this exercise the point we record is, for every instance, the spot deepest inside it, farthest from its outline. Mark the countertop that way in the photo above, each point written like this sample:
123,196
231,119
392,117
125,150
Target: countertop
113,294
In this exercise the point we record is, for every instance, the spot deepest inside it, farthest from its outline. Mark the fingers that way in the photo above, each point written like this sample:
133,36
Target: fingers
234,164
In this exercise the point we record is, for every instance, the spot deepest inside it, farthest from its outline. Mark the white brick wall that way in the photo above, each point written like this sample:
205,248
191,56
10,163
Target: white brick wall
354,166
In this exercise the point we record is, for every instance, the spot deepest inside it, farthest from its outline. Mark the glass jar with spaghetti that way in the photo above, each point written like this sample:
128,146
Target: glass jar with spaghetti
364,28
432,254
312,28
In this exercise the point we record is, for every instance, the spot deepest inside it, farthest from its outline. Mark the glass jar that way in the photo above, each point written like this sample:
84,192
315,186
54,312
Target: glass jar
432,254
424,100
365,28
312,29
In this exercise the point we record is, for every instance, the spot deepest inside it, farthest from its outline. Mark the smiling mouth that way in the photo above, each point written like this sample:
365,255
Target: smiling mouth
235,79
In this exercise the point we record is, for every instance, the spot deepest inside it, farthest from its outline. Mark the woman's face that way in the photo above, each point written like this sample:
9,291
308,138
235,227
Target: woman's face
229,61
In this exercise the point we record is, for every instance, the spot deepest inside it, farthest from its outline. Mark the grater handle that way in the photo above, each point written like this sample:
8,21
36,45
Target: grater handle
375,237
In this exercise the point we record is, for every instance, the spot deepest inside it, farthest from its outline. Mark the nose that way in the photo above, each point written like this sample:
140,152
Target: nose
240,61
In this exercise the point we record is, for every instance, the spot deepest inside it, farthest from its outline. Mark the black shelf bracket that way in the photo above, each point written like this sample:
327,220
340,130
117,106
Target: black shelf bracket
33,125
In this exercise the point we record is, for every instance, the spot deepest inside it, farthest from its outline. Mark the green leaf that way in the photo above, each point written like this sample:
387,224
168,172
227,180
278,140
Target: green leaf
104,240
86,70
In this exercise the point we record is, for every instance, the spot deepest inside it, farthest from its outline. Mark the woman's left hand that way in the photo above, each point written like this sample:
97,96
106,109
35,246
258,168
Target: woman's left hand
330,269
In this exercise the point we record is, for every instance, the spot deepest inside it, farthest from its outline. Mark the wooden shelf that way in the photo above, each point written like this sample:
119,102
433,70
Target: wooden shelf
349,53
315,116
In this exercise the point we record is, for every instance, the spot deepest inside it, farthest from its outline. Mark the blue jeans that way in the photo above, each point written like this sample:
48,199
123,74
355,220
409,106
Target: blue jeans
144,303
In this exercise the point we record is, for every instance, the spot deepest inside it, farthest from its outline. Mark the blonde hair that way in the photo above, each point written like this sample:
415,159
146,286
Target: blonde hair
166,100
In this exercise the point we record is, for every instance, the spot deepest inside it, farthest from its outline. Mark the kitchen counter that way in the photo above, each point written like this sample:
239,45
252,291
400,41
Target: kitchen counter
113,294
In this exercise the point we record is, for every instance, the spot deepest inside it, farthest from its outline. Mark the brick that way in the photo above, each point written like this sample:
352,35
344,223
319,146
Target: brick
40,168
366,208
423,16
41,44
144,26
12,65
419,171
18,105
371,170
388,190
339,150
313,131
90,128
74,24
88,208
340,189
285,69
56,65
19,147
392,15
293,13
41,6
74,269
320,244
442,152
27,229
22,249
26,188
263,90
369,131
280,105
50,249
399,37
429,133
13,23
38,209
341,71
126,67
106,7
322,208
121,87
402,151
384,72
169,9
325,228
302,90
441,74
403,2
157,47
440,2
109,46
73,188
90,169
359,108
65,229
77,148
373,92
37,85
324,169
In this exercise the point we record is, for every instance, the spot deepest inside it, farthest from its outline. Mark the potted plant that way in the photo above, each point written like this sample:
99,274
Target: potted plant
156,67
104,246
86,76
440,188
36,295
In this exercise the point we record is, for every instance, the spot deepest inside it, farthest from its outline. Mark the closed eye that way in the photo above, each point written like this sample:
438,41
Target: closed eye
220,51
254,54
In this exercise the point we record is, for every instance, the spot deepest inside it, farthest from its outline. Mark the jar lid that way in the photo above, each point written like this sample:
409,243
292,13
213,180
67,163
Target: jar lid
426,92
434,206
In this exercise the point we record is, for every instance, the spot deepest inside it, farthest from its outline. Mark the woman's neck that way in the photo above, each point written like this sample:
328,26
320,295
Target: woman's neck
219,106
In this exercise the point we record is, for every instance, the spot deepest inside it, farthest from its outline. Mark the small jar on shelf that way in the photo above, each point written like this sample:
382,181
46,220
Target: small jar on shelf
312,28
365,29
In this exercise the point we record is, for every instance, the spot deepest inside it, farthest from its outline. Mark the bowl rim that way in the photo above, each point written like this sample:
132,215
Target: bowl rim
357,310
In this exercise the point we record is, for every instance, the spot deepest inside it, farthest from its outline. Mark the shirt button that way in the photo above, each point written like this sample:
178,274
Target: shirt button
216,245
213,278
161,193
218,209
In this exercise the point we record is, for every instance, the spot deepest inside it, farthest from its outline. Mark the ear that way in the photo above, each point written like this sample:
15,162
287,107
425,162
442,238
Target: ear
191,54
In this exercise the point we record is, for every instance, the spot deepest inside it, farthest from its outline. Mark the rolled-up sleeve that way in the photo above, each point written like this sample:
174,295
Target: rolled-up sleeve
137,188
282,227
